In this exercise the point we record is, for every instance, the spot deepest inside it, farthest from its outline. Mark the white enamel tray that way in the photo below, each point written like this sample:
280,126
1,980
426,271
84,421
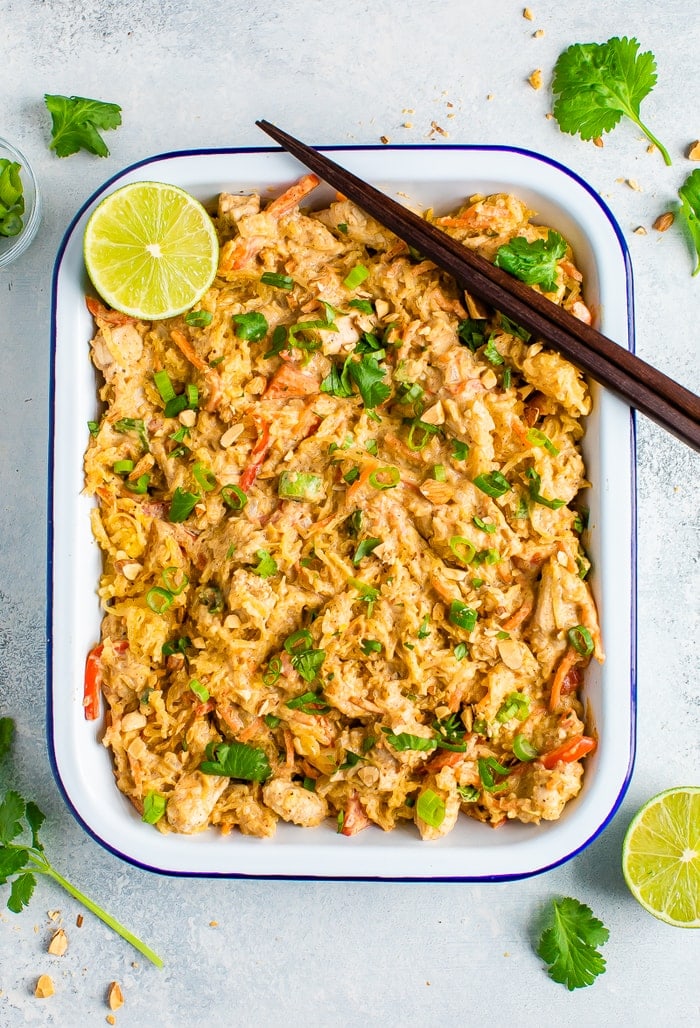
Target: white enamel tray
439,177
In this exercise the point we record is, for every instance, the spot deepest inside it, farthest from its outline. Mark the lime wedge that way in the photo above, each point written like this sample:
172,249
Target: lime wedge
150,250
661,856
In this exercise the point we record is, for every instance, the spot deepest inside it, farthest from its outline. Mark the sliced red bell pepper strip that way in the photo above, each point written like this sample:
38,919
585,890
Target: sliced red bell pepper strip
93,683
573,749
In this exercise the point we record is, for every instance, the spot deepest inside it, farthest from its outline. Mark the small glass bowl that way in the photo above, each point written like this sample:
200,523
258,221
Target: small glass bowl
12,246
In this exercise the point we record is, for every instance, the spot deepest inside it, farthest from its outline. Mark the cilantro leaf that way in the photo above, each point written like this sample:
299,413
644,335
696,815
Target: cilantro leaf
569,944
21,892
35,820
534,263
595,84
236,760
11,814
367,376
75,121
689,193
7,731
11,861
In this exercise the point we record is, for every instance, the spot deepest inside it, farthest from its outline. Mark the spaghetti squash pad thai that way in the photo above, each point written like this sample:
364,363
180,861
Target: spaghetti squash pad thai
340,510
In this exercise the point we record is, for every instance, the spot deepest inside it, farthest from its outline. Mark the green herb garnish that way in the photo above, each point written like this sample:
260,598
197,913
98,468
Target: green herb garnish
76,123
569,946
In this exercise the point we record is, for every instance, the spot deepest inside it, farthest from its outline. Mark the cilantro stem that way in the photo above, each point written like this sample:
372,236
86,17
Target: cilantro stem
652,138
44,867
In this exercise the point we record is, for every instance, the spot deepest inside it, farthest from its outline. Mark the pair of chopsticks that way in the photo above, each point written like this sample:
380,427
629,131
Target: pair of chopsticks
643,387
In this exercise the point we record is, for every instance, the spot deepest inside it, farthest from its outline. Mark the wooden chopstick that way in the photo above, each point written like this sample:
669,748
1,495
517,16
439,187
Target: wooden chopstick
642,386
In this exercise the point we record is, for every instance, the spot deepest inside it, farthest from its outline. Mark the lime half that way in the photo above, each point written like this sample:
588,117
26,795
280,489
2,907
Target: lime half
661,856
150,250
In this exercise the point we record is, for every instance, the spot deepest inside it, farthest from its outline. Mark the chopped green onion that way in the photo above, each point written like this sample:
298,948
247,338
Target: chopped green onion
271,720
164,385
513,329
368,594
581,640
133,425
405,741
385,478
515,705
523,748
153,807
178,645
309,784
439,473
352,475
538,438
198,319
430,808
175,406
365,548
182,504
468,793
140,486
428,431
308,702
462,616
477,583
536,496
93,428
479,726
506,378
300,485
522,512
460,450
488,767
267,566
204,477
199,690
342,227
123,467
503,635
270,278
463,550
176,581
192,393
159,600
370,646
471,332
485,526
270,676
424,630
494,484
356,276
252,326
372,447
460,651
234,497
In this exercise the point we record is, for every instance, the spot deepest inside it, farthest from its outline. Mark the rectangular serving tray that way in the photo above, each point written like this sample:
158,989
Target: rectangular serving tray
440,177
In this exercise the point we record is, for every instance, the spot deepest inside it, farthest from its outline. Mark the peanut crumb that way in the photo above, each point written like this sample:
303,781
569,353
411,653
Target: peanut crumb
664,221
549,115
538,33
408,110
694,151
59,943
408,124
54,914
110,1019
633,184
115,996
598,141
44,987
384,139
438,128
79,920
527,14
651,148
213,924
535,79
640,230
489,96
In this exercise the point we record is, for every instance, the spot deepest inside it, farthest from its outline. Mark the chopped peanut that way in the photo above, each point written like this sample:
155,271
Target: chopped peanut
115,996
694,151
535,79
44,987
59,943
527,14
664,221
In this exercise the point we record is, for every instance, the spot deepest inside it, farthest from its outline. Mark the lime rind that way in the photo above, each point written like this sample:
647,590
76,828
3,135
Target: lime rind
661,856
150,250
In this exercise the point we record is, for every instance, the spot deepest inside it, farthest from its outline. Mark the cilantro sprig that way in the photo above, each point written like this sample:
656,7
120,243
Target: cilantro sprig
21,860
595,84
689,193
569,945
534,263
76,123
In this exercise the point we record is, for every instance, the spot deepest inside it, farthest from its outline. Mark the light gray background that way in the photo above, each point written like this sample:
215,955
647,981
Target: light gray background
198,74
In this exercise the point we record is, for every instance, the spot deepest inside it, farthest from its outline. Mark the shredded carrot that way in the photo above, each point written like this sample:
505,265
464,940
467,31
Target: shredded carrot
289,199
289,381
250,730
289,748
445,758
517,617
568,661
187,350
106,314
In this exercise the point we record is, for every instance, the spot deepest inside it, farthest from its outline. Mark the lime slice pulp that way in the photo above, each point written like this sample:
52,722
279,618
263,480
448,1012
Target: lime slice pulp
150,250
661,856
